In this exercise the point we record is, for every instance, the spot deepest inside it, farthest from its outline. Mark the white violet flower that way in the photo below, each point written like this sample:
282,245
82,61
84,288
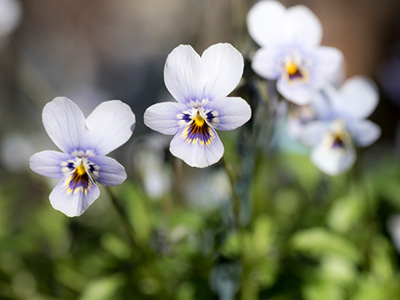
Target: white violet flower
341,124
85,142
290,50
200,84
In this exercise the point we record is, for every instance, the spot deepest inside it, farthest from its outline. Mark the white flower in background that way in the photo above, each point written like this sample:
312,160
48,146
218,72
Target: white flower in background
10,16
85,142
393,226
16,148
149,159
207,189
290,50
200,84
341,124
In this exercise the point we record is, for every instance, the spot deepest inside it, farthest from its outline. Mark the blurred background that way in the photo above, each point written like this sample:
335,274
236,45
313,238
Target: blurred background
309,236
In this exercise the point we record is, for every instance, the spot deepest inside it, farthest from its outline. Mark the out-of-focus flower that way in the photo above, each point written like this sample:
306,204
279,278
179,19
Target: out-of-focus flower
393,225
200,84
10,15
291,52
154,170
85,142
341,124
207,189
16,148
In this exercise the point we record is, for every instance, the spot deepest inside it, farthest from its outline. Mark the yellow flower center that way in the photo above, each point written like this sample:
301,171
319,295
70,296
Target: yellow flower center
291,68
199,120
81,169
198,131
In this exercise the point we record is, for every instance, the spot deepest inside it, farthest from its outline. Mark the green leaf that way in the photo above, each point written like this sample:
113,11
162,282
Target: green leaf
346,211
69,277
102,288
338,270
382,258
323,290
136,203
262,236
369,288
116,246
230,247
320,242
306,173
186,291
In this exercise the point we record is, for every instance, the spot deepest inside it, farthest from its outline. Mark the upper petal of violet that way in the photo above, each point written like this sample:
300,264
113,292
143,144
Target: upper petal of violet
358,97
224,66
266,22
110,125
184,74
303,27
64,122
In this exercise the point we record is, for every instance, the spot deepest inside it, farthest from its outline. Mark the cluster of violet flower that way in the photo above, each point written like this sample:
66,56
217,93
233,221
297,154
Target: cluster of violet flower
290,53
328,118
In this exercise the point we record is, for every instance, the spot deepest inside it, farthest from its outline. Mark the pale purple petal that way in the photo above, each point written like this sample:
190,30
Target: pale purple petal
75,203
110,172
224,66
312,133
322,106
184,74
329,63
333,161
48,163
267,62
163,117
300,94
303,27
266,22
65,124
197,154
364,132
229,112
110,125
358,97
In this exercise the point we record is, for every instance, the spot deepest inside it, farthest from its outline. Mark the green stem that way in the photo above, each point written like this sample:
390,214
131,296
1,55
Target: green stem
124,217
236,199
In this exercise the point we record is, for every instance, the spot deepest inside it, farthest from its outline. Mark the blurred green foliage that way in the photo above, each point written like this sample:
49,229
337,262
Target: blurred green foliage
310,237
